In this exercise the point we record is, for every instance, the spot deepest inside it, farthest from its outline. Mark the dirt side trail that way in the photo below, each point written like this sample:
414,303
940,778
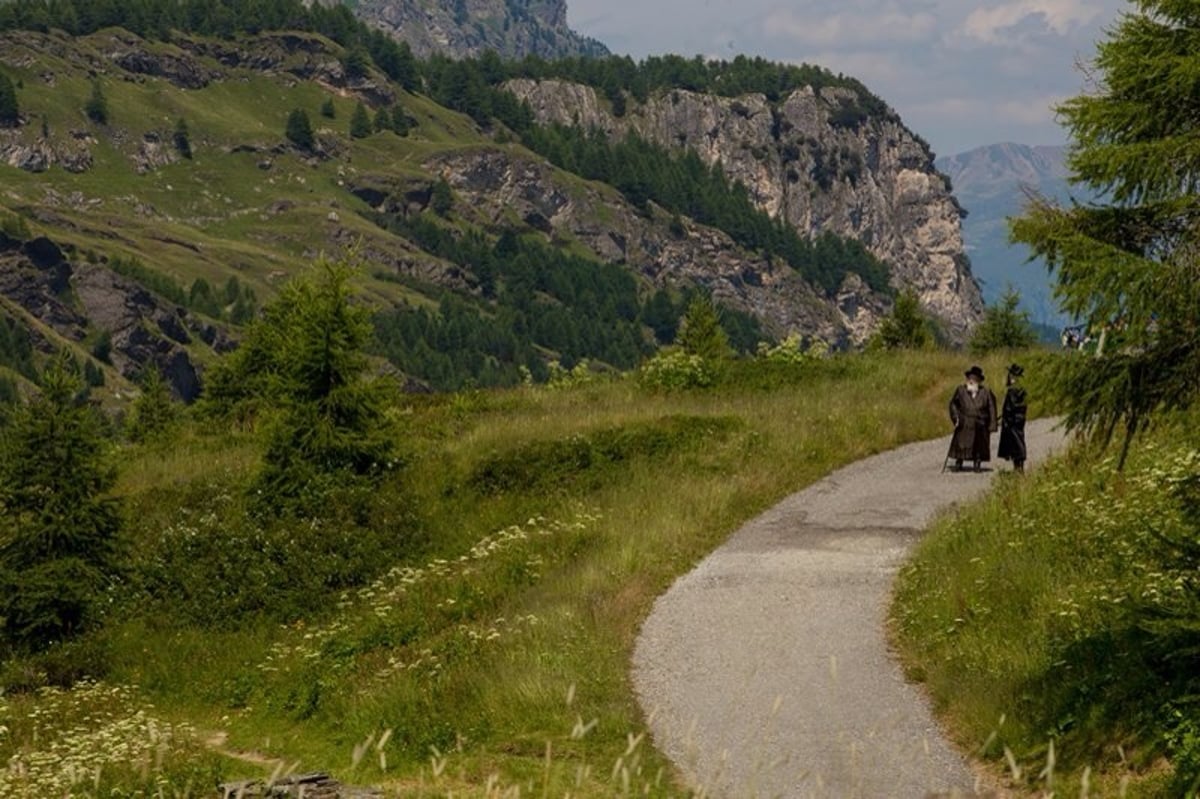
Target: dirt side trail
766,670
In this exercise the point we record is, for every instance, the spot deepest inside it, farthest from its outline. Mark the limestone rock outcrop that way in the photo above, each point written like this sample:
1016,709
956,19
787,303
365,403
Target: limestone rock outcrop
801,159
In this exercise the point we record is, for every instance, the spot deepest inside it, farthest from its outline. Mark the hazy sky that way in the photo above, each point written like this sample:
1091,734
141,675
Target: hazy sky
962,73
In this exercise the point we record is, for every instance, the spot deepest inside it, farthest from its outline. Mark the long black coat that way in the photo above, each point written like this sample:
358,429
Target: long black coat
974,421
1012,427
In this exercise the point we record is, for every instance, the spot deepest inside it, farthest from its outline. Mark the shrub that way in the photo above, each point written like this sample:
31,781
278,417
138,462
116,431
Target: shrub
676,370
10,112
1004,327
96,107
906,327
792,350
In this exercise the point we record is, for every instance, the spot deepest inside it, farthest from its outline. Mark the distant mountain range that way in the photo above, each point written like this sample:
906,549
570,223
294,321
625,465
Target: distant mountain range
992,183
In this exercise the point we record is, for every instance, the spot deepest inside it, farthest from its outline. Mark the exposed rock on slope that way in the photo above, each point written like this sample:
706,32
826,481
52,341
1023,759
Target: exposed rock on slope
512,28
74,299
494,186
874,181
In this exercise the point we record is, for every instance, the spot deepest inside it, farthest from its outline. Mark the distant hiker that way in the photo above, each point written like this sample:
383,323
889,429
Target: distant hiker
973,412
1012,420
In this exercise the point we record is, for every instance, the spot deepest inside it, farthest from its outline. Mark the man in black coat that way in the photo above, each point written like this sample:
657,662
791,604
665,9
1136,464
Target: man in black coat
973,412
1012,428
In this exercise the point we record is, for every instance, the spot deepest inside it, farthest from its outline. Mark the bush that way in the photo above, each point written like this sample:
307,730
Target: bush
676,370
96,107
792,350
906,328
1004,327
10,112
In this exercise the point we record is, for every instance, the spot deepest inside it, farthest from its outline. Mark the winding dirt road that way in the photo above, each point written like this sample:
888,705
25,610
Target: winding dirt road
766,670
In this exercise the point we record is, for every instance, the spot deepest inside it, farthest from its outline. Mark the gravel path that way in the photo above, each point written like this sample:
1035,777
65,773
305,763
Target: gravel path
766,672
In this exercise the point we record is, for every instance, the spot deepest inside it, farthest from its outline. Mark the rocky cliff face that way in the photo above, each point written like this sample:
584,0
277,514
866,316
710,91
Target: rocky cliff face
872,180
71,299
512,28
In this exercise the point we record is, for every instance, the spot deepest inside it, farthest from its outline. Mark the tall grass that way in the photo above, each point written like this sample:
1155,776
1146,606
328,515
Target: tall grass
487,639
1026,617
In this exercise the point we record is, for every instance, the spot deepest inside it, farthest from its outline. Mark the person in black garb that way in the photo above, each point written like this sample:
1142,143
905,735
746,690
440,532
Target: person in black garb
973,413
1012,420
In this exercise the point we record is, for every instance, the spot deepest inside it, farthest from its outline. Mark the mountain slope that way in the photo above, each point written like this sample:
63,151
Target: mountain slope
992,183
458,28
483,257
821,159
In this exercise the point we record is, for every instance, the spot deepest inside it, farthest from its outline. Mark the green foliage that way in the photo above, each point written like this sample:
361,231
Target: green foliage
360,122
16,349
182,138
1067,604
356,62
217,565
701,333
10,110
677,370
96,107
15,226
441,201
56,526
793,351
102,347
327,109
1129,265
548,466
543,298
155,19
1004,327
93,375
161,284
299,130
907,327
305,358
154,412
383,120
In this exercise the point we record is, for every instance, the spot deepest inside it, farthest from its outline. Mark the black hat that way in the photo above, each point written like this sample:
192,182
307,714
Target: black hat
1016,370
976,371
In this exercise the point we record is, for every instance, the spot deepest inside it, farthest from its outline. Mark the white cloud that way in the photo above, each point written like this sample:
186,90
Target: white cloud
889,25
991,23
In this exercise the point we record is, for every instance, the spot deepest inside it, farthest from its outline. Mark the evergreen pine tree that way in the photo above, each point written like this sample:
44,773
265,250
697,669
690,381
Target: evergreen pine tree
299,130
1004,327
442,198
906,327
401,122
327,109
57,528
1128,265
305,359
383,120
360,122
96,107
182,139
154,411
701,333
10,111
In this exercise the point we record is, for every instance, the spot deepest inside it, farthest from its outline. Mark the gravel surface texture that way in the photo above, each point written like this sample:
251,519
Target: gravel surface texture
766,670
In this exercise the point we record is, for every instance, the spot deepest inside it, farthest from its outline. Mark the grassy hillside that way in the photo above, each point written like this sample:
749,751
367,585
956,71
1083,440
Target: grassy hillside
1055,623
466,628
